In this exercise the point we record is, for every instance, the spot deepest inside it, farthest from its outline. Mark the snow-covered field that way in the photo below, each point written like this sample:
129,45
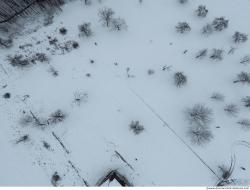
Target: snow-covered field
116,77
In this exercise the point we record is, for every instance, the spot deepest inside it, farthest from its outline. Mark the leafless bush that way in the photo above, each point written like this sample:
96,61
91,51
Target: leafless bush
244,123
23,138
199,115
217,54
200,135
220,23
6,43
246,101
118,24
245,60
183,1
239,37
201,54
55,179
18,60
180,79
136,127
106,15
231,109
151,71
207,29
80,97
243,77
201,11
63,31
183,27
85,29
218,96
56,117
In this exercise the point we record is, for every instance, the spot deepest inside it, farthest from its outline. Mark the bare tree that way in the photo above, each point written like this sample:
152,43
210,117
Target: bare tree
106,16
136,127
246,101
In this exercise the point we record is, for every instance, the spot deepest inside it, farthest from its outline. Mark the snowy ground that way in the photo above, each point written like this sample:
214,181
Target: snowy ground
94,131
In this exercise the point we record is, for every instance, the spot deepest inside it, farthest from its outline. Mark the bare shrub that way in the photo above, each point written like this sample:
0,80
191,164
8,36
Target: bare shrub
218,96
183,27
80,97
200,135
199,115
6,43
183,1
56,117
217,54
180,79
63,31
55,179
201,54
106,15
240,37
244,123
85,29
136,127
243,77
220,23
18,60
207,29
201,11
231,109
23,138
246,101
118,24
245,60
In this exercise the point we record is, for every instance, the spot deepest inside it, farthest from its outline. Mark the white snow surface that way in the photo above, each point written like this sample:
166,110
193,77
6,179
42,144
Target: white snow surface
99,126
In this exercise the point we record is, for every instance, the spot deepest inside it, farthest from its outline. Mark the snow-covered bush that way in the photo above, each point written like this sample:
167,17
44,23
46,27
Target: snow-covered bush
200,135
180,79
246,101
207,29
136,127
220,23
106,16
199,115
231,109
85,29
240,37
118,24
244,123
201,11
243,77
6,43
217,96
217,54
201,54
39,57
151,71
183,27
